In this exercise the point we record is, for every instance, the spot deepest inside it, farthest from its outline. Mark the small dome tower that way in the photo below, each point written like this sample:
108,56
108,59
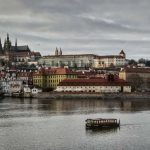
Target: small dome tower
122,53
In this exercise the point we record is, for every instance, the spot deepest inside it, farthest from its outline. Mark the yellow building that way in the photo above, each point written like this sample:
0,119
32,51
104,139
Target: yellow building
50,78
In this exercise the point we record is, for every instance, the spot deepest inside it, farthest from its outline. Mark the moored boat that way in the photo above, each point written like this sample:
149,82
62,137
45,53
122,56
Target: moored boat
102,123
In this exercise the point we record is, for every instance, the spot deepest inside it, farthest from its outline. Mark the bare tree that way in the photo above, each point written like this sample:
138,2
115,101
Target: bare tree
148,82
136,81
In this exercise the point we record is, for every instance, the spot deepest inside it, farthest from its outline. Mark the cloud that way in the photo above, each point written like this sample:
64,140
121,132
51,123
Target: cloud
79,26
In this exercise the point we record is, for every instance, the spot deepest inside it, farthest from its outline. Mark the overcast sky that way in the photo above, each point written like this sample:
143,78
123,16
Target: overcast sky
79,26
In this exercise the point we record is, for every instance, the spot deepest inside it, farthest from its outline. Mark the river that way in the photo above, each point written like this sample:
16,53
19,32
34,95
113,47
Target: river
32,124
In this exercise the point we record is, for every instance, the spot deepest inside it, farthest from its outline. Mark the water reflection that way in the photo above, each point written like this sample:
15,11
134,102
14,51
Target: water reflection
101,131
60,124
73,106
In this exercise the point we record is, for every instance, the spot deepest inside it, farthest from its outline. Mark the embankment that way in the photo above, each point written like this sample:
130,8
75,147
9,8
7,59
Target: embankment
119,96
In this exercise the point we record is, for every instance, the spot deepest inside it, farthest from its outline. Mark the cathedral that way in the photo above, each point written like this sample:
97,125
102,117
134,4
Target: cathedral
15,53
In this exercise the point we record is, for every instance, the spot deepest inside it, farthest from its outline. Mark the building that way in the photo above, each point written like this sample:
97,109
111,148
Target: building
35,91
100,85
110,60
83,61
26,91
11,86
129,73
26,77
51,77
16,53
71,61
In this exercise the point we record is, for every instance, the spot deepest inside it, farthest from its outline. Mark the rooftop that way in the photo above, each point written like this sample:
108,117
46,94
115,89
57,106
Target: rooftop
58,71
136,70
92,82
20,48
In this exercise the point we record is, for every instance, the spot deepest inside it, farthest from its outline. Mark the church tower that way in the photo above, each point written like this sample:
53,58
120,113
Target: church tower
56,52
60,52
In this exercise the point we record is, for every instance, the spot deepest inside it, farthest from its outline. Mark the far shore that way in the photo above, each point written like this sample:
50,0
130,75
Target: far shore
118,96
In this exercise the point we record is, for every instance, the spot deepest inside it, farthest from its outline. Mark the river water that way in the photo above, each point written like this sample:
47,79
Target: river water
32,124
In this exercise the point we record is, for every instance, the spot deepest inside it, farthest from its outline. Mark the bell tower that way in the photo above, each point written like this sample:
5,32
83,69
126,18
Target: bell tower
56,52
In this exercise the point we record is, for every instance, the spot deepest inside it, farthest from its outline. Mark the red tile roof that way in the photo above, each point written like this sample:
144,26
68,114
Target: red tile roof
58,71
21,54
24,74
35,53
92,82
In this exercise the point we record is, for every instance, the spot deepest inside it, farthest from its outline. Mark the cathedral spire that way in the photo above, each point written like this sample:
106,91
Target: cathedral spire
1,49
7,45
0,44
16,43
7,37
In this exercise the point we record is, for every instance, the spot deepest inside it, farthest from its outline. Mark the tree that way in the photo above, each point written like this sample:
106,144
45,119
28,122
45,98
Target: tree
132,62
147,63
136,81
148,82
75,66
142,61
32,66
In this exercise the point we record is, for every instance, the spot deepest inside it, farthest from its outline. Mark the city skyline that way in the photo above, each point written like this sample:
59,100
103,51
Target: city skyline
78,26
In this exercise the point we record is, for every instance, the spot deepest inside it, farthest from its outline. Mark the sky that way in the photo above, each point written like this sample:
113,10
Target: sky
102,27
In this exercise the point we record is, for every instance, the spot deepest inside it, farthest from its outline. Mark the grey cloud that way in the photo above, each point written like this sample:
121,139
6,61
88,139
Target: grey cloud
103,26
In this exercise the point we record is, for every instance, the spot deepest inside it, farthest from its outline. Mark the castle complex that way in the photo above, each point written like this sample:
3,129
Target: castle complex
21,54
83,60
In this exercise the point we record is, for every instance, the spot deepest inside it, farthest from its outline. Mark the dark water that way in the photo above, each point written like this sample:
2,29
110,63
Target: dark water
27,124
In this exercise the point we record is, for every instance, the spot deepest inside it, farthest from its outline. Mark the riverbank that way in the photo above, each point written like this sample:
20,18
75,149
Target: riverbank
119,96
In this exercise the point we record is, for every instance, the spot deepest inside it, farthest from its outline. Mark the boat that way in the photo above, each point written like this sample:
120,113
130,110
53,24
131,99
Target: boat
16,94
102,123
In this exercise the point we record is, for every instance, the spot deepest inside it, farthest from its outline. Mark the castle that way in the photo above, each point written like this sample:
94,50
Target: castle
16,53
83,60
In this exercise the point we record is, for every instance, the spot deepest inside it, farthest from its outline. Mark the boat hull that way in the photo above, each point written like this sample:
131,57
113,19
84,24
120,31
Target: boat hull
102,123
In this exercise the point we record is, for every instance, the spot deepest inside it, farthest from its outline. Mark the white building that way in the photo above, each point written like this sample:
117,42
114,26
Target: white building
110,60
35,91
27,91
10,87
93,86
83,60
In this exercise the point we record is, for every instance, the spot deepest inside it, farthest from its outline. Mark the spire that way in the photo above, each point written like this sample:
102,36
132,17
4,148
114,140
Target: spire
1,49
7,45
7,37
4,43
56,51
60,52
0,44
16,43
